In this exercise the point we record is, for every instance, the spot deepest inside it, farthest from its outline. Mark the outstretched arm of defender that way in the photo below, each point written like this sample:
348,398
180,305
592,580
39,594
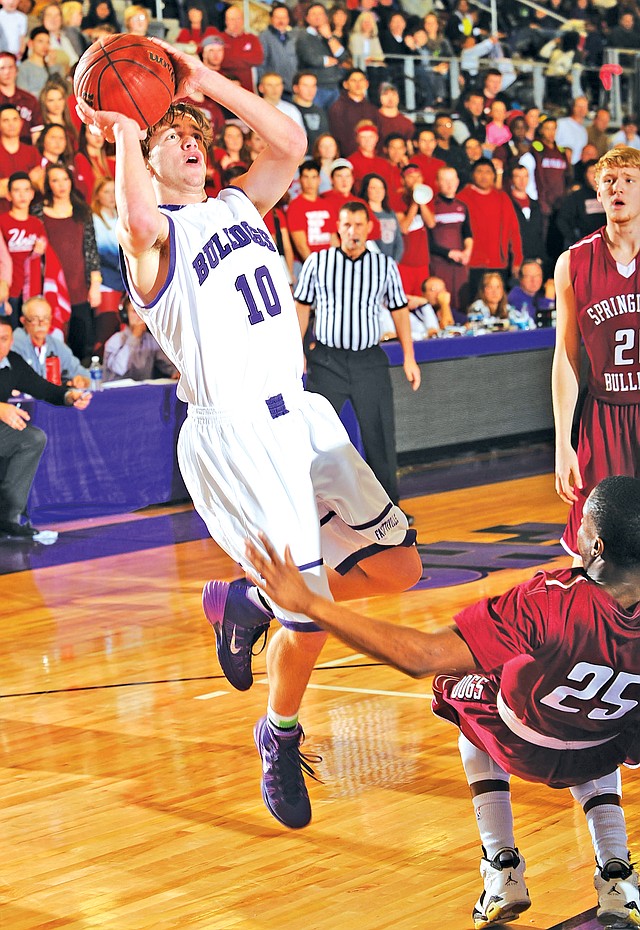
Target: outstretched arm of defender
415,653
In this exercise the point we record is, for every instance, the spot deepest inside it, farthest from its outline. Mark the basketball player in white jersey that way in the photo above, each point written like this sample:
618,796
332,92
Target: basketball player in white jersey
256,451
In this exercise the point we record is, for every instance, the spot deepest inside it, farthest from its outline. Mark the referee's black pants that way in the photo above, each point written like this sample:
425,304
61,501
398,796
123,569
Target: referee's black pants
363,378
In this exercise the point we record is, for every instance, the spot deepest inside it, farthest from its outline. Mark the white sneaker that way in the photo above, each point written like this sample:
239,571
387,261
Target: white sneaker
505,894
618,899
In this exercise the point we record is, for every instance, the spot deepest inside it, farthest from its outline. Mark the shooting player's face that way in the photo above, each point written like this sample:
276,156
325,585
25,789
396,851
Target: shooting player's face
178,151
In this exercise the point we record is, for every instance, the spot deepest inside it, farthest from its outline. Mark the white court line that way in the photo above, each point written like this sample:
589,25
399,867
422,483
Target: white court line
403,694
264,681
342,661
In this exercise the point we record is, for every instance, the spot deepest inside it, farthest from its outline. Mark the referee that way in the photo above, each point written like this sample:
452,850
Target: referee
346,286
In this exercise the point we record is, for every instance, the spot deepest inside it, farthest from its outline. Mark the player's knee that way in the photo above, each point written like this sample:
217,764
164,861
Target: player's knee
309,643
407,568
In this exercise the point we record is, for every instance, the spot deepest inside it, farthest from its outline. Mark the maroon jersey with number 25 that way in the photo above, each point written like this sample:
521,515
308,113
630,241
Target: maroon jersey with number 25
557,694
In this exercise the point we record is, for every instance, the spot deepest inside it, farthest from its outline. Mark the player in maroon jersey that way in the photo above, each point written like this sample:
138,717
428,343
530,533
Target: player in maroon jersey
597,296
543,682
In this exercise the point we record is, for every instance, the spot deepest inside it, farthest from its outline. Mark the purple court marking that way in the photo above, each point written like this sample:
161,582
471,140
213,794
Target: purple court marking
446,563
585,921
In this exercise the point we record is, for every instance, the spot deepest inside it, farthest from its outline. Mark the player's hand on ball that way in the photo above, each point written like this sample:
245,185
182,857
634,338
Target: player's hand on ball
186,69
105,120
280,581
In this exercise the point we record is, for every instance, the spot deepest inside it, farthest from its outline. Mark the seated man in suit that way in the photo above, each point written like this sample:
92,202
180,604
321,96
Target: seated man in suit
21,443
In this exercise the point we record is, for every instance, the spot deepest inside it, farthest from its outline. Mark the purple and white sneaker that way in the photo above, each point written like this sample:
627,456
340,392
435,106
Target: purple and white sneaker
283,789
238,624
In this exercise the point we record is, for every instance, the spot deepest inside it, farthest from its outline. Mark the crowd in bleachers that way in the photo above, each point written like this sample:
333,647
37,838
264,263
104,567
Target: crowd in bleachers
463,180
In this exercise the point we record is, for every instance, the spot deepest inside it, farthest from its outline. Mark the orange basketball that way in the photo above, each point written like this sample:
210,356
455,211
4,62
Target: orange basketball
129,74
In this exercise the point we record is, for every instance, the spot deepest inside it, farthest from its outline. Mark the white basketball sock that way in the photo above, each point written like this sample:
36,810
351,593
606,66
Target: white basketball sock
608,832
495,821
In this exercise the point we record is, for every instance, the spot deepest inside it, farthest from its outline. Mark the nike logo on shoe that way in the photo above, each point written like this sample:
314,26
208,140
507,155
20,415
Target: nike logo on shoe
233,648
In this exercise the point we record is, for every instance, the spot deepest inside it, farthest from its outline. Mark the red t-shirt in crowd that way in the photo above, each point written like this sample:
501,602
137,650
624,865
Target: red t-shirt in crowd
25,159
20,236
316,218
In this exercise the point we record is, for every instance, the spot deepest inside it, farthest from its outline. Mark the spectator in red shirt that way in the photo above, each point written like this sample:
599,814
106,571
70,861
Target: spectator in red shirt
92,162
311,221
26,104
390,119
497,245
364,159
424,144
415,218
351,107
342,182
14,154
242,50
396,153
25,239
198,29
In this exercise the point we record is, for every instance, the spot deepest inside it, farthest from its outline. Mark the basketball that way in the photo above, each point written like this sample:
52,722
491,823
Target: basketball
129,74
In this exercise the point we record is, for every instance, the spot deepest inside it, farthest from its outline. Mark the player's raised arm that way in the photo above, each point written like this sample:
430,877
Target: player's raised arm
141,226
411,651
272,171
565,382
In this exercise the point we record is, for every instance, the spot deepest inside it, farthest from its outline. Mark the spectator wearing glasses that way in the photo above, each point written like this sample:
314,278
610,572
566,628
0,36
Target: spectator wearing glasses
447,149
38,347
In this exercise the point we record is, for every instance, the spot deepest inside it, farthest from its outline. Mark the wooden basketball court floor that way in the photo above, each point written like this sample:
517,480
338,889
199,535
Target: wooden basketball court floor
128,774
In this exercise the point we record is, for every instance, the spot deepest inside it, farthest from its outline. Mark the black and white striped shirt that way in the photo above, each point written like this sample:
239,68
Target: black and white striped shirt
347,295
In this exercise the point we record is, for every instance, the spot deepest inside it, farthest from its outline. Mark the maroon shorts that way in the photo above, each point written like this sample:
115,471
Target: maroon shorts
608,444
469,702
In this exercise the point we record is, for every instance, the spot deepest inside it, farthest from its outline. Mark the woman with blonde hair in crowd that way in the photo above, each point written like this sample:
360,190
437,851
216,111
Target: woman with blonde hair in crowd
54,104
68,223
103,208
72,17
136,19
92,161
66,55
137,22
364,44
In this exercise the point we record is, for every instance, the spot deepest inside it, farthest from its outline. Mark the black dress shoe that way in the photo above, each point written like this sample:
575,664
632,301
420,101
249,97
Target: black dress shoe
18,530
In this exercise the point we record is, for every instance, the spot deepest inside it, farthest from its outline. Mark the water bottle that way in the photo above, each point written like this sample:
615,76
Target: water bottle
95,374
476,322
